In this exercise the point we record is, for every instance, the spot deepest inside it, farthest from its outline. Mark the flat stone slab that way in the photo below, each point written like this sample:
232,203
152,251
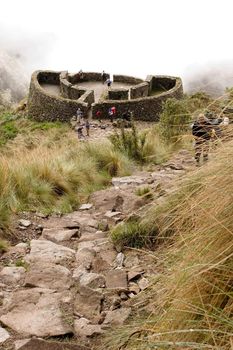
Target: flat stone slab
49,276
46,251
87,236
61,223
58,235
86,206
12,274
130,180
35,312
83,219
116,279
4,335
40,344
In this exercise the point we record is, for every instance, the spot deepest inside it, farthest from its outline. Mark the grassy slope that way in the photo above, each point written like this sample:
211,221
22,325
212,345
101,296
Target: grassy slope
44,168
192,300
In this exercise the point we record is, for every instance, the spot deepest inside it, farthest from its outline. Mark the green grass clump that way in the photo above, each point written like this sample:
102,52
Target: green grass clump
22,263
144,192
8,131
133,234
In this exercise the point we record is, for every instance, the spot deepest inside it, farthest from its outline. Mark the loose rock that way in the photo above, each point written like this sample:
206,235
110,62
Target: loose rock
12,275
4,335
116,279
86,206
117,317
56,235
83,328
24,223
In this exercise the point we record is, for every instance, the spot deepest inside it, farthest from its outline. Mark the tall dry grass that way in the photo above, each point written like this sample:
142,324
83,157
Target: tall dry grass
54,175
191,301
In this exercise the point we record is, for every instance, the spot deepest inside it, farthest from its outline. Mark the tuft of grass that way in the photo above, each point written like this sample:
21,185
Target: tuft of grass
3,246
133,234
22,263
144,191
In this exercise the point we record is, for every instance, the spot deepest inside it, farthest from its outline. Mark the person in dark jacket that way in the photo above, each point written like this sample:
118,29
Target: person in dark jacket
202,131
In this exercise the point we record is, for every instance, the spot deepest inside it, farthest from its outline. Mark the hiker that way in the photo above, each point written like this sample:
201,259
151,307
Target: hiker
87,125
103,75
79,114
126,116
109,82
80,74
111,113
98,115
202,130
80,133
73,121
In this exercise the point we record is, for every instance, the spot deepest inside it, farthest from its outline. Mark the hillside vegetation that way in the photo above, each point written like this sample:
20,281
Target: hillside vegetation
44,168
191,297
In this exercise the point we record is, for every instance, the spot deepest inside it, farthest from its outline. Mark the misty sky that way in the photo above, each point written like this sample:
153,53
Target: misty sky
132,37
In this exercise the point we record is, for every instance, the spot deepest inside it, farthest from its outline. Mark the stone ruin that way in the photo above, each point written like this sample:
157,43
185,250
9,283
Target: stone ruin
58,95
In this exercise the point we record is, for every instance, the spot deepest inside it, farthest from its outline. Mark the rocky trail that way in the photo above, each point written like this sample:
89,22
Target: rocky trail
68,283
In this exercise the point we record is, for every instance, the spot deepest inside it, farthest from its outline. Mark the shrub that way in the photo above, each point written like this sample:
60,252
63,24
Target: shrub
142,147
174,120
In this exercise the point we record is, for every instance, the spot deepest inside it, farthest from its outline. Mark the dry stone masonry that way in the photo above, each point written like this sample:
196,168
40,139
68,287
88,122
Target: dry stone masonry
58,95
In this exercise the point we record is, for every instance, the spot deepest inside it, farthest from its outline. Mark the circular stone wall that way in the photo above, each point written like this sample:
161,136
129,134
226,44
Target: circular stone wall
146,97
44,105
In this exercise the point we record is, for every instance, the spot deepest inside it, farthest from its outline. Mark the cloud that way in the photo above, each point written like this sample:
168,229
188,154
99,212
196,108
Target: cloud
21,52
212,77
